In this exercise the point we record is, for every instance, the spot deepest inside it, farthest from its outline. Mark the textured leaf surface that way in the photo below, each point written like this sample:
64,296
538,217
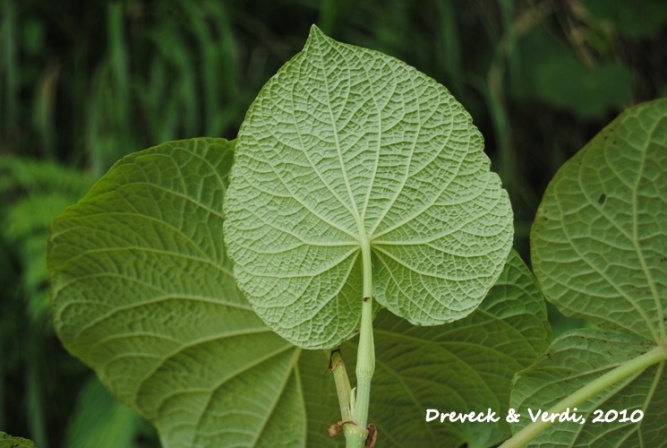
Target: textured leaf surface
465,366
599,241
599,245
344,148
142,293
576,359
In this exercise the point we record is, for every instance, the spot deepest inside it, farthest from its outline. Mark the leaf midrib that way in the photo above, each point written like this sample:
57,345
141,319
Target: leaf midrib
363,238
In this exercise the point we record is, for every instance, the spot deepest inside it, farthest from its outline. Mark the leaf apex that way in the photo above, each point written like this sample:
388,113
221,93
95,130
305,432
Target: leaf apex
315,35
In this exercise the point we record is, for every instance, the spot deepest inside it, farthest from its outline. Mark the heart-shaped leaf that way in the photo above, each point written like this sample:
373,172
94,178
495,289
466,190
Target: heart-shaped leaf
598,244
142,292
347,151
599,240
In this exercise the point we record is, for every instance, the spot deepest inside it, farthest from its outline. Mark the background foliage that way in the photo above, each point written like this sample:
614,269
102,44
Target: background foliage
83,83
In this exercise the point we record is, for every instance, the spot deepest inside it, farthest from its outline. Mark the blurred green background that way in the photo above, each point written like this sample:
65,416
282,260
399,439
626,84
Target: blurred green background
84,83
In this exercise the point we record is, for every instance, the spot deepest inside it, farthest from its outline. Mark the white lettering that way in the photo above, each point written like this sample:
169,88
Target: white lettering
535,416
432,414
479,417
565,416
491,416
444,416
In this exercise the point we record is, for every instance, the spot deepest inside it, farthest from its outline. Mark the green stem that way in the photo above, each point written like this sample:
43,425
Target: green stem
626,370
356,432
366,352
355,436
337,367
365,365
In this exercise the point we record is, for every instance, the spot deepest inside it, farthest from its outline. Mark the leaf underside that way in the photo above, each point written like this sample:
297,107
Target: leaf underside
464,366
574,360
599,237
142,292
346,147
599,250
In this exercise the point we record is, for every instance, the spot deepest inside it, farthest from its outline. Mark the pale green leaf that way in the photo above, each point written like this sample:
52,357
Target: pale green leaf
599,241
598,244
142,293
575,360
465,366
346,148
